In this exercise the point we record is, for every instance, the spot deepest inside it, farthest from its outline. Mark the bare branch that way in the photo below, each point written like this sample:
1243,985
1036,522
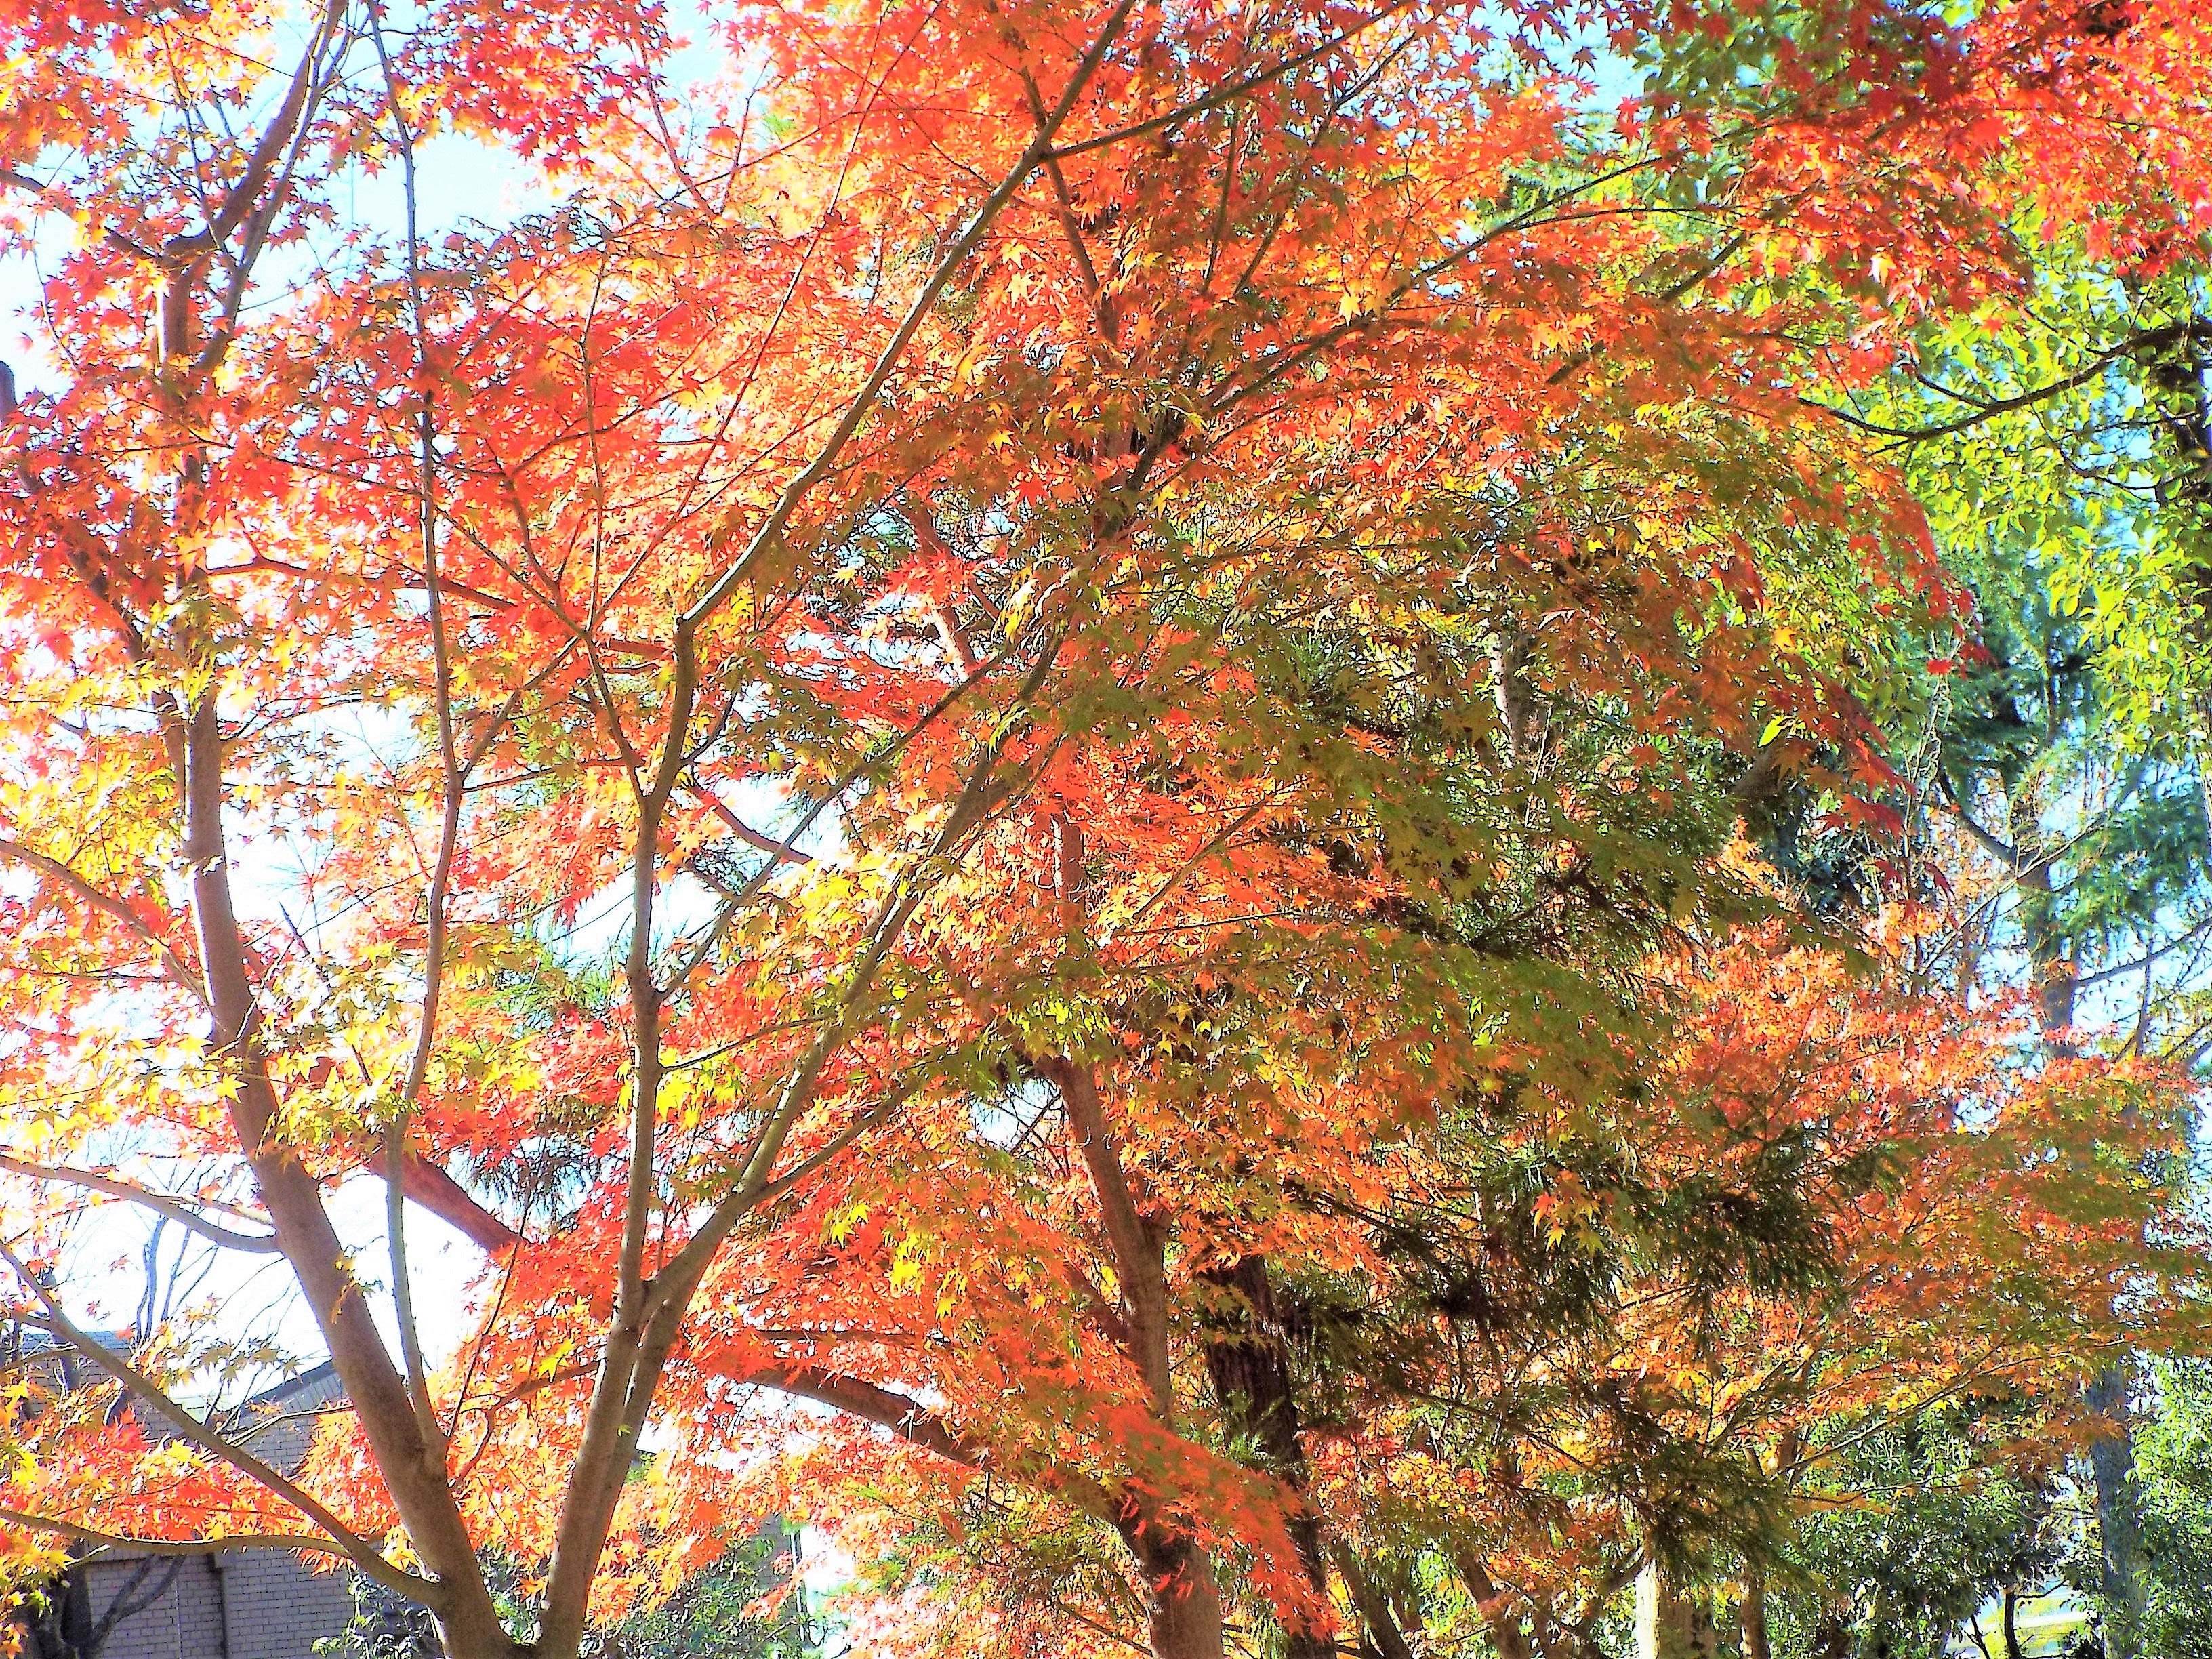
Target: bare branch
176,1209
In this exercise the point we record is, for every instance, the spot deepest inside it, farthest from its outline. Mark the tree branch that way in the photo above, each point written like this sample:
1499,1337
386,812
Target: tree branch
109,905
176,1209
104,1541
772,527
1981,409
1988,842
364,1554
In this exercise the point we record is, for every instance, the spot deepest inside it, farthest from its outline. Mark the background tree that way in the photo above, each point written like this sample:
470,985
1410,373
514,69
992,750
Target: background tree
2050,438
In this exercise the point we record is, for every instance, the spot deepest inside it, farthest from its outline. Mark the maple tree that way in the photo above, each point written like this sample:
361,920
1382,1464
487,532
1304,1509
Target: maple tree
1567,1336
1132,605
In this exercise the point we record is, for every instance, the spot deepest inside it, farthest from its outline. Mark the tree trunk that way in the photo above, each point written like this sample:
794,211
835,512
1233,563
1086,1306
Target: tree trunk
1183,1604
2056,974
1381,1638
61,1627
1499,1617
2119,1519
1248,1360
1670,1624
2111,1455
1756,1645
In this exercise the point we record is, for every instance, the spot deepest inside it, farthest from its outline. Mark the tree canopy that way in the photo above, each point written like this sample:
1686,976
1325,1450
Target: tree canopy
1243,828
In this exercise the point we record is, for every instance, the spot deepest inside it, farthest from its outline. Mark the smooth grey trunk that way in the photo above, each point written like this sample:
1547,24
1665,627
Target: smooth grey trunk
2119,1517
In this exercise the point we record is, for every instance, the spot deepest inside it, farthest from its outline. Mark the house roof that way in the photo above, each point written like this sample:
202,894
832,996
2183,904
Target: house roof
276,1423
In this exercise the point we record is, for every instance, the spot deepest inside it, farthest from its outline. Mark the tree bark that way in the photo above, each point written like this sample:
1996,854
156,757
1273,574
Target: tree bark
1384,1639
1670,1624
2112,1454
1248,1360
2119,1517
1756,1642
1182,1604
1499,1617
413,1469
1182,1601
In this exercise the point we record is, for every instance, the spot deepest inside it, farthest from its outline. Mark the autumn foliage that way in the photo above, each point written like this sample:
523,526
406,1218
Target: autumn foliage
1031,725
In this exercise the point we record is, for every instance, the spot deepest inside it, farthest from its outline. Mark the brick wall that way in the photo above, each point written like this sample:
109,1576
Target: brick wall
240,1604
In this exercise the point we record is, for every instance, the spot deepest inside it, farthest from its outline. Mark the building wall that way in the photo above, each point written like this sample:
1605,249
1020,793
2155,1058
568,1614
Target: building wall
240,1604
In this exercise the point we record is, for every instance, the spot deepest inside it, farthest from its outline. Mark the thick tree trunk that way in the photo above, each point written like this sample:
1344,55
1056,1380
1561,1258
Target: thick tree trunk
1831,1635
2119,1518
2057,976
1756,1645
2111,1455
467,1634
1248,1360
1670,1624
1183,1604
61,1628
